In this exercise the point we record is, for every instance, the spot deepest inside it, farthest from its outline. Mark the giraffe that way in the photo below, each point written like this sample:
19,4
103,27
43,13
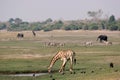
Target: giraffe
64,55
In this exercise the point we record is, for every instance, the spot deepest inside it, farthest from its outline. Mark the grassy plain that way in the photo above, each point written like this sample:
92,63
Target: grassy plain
29,55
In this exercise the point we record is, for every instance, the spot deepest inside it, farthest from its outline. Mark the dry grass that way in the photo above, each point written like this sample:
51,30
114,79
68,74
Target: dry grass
78,36
23,56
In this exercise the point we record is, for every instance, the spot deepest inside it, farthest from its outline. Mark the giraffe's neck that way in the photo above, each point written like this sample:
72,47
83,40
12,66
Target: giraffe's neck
55,58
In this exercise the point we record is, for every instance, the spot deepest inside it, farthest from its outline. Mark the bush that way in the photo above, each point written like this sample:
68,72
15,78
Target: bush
2,26
72,27
93,26
112,28
47,29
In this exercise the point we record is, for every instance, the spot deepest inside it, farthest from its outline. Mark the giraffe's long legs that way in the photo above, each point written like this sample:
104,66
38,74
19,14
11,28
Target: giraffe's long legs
71,65
63,65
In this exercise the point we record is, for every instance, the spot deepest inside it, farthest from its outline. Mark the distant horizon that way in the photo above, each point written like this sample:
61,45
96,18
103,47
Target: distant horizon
40,10
56,19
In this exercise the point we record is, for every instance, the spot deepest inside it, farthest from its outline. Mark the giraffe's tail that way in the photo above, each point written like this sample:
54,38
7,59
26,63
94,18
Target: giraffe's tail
74,61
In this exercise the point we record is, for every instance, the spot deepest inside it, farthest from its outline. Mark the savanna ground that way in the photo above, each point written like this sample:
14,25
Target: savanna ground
29,55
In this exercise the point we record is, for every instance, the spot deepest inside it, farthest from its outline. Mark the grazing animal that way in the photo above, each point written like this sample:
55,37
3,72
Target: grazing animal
34,34
89,43
54,44
111,65
107,43
64,55
51,44
20,35
61,44
102,38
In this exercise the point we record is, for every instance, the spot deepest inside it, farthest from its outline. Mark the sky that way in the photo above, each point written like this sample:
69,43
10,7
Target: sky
40,10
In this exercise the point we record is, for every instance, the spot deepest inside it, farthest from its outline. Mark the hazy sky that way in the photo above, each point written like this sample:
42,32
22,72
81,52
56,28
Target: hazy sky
39,10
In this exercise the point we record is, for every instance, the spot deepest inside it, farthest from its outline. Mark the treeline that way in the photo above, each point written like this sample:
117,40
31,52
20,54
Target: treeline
18,24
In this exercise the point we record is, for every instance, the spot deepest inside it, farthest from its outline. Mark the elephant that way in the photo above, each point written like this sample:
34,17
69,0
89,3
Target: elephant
102,38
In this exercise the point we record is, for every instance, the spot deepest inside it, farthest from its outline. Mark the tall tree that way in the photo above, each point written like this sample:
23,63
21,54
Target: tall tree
18,20
112,23
112,19
49,20
11,20
95,14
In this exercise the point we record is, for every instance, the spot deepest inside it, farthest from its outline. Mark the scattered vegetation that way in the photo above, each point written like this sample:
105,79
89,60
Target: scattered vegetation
48,25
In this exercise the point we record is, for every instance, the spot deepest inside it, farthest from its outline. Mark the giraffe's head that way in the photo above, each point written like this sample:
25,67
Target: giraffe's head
49,69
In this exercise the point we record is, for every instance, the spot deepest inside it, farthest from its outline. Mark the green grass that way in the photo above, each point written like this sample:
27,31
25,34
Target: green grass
94,58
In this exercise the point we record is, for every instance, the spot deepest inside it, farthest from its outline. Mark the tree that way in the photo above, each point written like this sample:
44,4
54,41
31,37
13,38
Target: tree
71,27
48,20
18,21
58,24
36,26
103,25
112,19
93,26
11,20
95,14
118,24
112,23
2,26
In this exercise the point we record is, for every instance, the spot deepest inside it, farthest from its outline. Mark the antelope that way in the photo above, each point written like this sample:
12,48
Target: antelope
107,43
89,43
